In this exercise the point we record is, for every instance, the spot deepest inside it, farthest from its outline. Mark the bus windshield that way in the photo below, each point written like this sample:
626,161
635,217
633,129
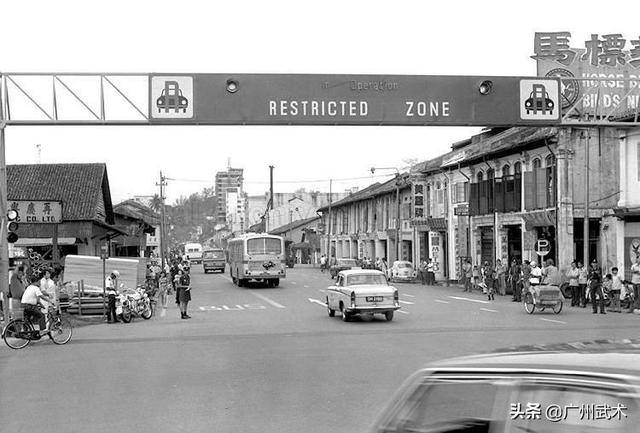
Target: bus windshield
264,246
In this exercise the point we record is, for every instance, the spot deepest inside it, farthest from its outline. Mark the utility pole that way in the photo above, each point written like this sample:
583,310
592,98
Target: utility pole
270,205
4,243
585,247
398,241
329,222
162,184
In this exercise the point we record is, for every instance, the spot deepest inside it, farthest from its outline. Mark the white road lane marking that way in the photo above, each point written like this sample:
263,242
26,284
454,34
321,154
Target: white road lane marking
554,321
442,302
406,302
293,282
402,312
322,290
315,301
306,286
267,300
469,299
406,294
490,311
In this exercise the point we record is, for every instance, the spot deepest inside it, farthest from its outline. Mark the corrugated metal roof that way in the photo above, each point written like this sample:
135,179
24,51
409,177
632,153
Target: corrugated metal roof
373,190
78,186
292,225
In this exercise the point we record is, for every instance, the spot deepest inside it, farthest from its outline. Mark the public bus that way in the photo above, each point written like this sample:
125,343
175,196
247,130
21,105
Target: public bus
256,256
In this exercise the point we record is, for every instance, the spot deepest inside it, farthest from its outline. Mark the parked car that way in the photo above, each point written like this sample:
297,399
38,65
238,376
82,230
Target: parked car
362,292
343,265
402,271
576,388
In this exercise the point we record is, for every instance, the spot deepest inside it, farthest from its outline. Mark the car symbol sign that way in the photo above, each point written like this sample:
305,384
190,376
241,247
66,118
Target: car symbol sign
539,100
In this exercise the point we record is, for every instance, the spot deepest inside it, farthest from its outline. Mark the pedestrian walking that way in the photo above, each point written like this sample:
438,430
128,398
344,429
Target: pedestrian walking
183,293
572,275
616,289
583,276
422,272
501,281
635,281
323,263
111,289
384,268
595,288
475,274
488,280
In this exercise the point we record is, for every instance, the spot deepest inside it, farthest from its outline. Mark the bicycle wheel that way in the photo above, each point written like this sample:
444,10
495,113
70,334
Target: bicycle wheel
15,334
61,330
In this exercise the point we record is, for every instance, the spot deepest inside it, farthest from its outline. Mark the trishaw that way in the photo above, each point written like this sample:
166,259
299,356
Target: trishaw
543,297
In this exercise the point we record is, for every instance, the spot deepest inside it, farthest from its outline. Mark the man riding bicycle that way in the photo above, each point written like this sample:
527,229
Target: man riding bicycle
31,300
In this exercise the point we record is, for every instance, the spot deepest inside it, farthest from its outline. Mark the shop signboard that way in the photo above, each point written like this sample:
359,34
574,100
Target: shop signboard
37,211
323,99
461,210
611,58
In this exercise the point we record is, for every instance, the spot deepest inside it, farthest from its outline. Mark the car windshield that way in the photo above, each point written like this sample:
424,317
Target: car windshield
347,262
213,255
444,404
404,265
264,246
359,280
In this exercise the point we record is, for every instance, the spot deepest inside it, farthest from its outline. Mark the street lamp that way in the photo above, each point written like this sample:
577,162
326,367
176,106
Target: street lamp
398,241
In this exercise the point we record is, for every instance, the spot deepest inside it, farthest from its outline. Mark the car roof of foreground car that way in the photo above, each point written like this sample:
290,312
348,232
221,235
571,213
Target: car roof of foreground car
598,356
361,272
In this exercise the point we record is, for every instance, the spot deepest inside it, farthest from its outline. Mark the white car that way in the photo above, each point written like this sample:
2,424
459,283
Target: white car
402,271
362,292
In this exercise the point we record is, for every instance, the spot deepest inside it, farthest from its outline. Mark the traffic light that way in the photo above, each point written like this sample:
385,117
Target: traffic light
12,226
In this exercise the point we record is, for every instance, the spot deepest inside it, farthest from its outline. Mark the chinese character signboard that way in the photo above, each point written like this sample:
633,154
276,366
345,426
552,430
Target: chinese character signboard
611,58
314,99
37,211
461,210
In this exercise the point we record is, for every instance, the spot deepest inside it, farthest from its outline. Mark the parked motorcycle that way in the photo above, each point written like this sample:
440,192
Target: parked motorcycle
133,303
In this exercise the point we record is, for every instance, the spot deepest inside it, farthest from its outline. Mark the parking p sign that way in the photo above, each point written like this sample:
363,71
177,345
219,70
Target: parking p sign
543,247
539,99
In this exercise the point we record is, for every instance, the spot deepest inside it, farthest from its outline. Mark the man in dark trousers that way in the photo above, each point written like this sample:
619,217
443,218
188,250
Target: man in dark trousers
595,287
111,288
514,278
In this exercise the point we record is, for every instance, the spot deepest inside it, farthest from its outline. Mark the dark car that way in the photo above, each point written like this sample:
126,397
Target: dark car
539,101
171,98
343,265
578,387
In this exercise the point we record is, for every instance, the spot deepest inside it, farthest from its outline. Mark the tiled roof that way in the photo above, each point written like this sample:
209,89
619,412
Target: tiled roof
79,187
510,139
137,210
292,225
373,190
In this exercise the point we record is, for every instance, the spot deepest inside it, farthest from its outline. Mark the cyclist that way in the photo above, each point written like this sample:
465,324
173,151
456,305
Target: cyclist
31,299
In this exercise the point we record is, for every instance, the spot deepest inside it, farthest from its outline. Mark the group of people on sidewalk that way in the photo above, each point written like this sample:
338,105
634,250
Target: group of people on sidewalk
585,284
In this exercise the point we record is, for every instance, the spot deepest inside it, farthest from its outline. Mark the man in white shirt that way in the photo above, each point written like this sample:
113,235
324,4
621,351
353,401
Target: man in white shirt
112,291
29,302
48,286
635,281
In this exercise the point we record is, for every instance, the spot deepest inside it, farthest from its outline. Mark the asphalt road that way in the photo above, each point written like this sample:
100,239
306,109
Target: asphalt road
263,359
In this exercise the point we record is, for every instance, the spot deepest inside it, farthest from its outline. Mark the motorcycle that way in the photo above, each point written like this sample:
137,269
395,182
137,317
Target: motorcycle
133,303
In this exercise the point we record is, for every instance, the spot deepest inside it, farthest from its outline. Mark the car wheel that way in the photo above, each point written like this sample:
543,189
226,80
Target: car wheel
345,316
389,316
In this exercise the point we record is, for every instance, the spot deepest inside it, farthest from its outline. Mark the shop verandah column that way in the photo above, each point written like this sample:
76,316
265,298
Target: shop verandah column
564,198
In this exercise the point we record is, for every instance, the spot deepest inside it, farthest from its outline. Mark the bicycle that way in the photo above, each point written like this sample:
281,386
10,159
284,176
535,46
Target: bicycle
20,332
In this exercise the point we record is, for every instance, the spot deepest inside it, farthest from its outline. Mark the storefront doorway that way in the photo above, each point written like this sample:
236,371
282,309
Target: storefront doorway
514,243
407,251
487,250
578,239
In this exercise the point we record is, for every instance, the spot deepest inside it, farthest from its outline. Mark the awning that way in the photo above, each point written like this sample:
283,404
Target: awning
539,219
302,246
39,242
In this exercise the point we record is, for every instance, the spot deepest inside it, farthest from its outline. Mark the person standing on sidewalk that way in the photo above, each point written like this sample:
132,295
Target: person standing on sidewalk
183,293
422,272
501,282
635,281
583,276
431,275
595,288
572,276
111,287
323,263
514,278
616,290
163,288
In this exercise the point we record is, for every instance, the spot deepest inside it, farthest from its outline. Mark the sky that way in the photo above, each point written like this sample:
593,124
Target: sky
335,37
